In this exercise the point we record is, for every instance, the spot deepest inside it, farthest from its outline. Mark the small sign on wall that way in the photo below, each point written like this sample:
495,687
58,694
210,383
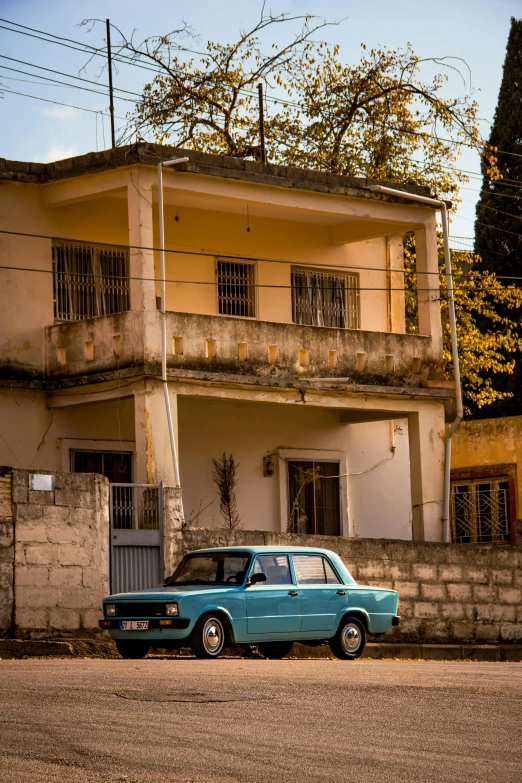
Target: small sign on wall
41,481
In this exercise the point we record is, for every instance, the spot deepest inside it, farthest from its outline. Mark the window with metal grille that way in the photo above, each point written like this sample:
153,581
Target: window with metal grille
480,510
89,280
236,288
325,299
314,498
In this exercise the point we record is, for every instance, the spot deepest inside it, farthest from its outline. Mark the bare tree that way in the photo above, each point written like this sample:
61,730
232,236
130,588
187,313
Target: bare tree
225,477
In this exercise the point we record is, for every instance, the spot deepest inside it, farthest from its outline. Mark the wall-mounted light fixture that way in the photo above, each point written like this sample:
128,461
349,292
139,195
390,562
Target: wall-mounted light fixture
268,465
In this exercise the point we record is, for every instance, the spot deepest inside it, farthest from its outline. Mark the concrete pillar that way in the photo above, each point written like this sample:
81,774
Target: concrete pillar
139,207
396,300
426,440
173,524
153,452
428,296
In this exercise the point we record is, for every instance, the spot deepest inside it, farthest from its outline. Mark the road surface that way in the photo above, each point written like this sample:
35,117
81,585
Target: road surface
258,721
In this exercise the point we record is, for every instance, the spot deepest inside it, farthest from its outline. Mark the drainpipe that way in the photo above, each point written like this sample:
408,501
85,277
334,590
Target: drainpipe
440,205
175,461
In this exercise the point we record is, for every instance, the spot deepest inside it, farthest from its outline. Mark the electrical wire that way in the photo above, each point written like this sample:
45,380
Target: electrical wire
65,84
59,103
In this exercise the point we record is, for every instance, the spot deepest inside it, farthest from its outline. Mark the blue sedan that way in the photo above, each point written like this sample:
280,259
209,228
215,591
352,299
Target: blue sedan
266,596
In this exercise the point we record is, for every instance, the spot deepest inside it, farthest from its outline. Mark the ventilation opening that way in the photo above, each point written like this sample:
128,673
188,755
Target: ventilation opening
332,360
116,345
304,357
362,361
177,346
242,352
210,349
89,351
273,354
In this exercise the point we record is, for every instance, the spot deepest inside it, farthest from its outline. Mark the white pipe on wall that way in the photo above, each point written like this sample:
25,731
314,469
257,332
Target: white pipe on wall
175,460
438,204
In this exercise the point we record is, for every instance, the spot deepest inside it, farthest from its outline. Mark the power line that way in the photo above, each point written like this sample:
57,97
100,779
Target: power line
59,103
64,84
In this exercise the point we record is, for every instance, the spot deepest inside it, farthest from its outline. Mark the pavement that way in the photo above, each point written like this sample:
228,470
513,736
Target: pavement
308,721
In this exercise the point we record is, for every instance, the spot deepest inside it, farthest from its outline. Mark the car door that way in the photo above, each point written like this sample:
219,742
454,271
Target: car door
273,607
321,591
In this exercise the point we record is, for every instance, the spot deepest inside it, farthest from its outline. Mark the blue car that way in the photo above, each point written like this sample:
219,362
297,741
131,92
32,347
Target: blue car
266,596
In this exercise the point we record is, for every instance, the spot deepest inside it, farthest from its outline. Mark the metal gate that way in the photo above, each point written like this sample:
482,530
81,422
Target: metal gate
136,517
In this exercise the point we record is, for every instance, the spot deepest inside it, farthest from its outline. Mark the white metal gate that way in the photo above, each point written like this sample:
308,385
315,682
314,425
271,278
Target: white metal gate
136,517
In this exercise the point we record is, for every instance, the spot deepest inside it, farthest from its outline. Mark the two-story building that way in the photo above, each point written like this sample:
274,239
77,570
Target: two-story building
286,338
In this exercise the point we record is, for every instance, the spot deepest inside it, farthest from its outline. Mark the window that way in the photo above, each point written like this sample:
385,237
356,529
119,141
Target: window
89,280
314,497
214,569
314,570
236,288
325,299
275,567
117,467
480,510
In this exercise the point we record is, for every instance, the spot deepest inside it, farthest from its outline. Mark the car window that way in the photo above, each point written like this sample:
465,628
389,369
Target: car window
276,568
213,568
314,570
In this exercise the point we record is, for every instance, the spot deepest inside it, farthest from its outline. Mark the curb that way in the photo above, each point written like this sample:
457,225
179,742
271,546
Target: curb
89,648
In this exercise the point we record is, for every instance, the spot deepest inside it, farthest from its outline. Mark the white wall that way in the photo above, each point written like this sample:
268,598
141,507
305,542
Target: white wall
378,502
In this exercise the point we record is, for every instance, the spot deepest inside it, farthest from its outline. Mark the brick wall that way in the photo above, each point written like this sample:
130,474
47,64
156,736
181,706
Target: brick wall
6,552
61,542
448,592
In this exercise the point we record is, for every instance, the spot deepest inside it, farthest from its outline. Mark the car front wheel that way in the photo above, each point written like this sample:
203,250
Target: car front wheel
132,649
275,650
208,637
350,639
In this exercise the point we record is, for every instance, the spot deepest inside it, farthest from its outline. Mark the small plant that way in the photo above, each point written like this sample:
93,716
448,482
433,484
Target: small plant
225,477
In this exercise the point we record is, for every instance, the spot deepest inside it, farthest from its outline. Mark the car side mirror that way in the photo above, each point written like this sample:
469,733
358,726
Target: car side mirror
255,579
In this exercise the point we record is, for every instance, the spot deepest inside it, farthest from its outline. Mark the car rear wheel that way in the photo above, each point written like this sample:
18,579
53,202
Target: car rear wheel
350,639
208,637
275,650
132,649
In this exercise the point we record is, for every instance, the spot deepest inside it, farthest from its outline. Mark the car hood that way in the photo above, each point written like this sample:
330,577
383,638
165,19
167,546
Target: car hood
167,592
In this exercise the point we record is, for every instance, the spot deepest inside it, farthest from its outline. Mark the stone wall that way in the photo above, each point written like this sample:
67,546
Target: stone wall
61,542
448,592
6,553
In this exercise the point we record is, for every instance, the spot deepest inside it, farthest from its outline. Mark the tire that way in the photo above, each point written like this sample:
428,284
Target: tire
129,649
350,639
275,650
208,637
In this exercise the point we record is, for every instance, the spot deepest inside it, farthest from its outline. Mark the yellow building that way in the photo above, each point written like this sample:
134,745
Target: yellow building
286,341
486,495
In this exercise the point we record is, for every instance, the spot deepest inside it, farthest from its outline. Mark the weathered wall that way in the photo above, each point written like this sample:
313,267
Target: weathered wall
61,554
6,552
448,592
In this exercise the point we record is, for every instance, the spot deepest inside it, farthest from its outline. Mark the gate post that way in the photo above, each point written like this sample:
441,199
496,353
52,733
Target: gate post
172,528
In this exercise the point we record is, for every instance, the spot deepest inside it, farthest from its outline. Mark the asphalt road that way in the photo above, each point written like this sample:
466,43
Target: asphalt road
259,721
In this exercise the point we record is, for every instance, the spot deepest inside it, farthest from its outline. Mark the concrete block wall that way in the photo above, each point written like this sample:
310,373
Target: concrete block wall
448,592
61,547
6,553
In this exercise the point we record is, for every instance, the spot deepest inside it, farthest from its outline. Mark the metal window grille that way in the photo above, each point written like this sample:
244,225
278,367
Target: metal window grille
89,280
236,289
480,511
314,498
325,299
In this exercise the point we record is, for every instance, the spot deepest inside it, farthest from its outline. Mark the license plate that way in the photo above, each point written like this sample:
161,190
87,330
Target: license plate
134,625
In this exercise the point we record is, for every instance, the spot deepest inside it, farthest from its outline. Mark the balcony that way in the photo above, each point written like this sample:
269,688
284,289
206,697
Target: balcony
238,350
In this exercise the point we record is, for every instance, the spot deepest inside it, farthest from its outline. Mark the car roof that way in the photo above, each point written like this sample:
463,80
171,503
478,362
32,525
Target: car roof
266,550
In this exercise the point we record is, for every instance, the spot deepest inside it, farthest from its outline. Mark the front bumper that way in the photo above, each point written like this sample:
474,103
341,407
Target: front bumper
396,620
175,624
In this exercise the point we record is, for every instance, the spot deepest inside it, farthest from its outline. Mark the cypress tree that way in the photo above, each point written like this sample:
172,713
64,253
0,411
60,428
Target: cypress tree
498,227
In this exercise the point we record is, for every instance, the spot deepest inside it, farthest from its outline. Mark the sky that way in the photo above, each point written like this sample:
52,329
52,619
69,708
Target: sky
33,130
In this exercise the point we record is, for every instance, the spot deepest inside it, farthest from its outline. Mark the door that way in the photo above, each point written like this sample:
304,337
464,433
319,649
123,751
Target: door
322,594
273,607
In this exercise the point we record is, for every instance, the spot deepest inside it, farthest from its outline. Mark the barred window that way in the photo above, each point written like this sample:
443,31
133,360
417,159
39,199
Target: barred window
480,511
236,288
89,280
325,299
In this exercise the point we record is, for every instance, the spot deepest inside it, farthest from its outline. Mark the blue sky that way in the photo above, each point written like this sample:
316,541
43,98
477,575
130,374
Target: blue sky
475,30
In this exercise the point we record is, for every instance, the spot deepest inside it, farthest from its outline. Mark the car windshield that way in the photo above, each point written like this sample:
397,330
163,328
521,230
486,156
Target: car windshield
211,568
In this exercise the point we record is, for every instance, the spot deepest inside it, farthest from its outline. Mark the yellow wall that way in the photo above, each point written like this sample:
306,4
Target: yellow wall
490,442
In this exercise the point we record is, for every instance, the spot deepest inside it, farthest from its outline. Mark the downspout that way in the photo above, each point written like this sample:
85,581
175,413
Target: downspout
175,461
441,205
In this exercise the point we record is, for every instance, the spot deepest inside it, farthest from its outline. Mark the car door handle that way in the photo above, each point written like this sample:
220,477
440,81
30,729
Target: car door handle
293,592
341,592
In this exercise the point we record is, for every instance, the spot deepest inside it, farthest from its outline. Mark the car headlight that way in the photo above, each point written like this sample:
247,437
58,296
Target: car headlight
171,610
110,610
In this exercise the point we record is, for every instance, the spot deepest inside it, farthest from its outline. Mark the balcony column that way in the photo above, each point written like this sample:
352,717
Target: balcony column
426,441
428,296
153,452
139,207
396,301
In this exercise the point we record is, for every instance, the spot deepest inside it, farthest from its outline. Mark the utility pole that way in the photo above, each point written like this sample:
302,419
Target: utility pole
111,93
261,123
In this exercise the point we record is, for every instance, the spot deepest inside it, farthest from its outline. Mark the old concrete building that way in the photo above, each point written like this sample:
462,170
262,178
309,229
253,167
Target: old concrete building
286,339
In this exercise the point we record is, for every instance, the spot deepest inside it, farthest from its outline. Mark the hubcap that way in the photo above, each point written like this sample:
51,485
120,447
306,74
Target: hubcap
213,636
350,638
